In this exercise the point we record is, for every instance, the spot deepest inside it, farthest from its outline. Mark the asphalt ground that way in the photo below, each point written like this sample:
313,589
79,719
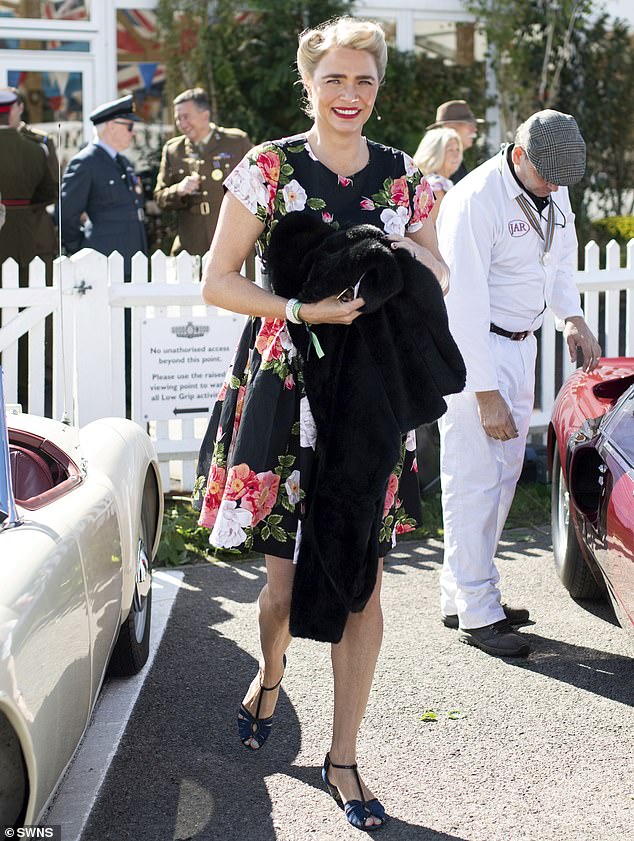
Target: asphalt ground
541,748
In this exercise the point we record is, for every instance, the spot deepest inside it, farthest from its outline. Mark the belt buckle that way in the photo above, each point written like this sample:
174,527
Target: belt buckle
205,210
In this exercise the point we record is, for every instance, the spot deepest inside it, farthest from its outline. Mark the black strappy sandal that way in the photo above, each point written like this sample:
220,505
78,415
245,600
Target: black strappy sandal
254,731
357,811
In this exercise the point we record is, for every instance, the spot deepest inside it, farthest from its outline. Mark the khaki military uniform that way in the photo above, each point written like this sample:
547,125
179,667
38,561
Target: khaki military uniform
213,160
26,186
45,242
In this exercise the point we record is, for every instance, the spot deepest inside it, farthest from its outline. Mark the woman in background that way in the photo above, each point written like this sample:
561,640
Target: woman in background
439,154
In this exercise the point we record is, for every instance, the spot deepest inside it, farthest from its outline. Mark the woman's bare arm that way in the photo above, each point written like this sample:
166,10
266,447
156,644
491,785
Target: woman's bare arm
424,246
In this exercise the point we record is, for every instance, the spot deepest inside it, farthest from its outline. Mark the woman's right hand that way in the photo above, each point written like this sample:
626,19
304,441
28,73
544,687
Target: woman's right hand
331,311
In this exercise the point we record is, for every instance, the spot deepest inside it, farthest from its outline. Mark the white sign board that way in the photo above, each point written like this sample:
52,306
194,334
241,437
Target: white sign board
184,362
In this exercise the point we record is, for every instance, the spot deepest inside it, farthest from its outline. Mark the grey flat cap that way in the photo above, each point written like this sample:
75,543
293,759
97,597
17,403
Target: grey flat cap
555,147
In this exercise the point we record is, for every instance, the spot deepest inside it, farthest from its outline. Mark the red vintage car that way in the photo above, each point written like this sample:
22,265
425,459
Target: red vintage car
591,455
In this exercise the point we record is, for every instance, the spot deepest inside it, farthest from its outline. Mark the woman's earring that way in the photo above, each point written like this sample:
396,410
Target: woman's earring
378,116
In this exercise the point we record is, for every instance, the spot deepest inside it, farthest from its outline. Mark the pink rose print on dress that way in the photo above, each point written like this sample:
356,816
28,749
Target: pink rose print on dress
268,342
367,204
343,181
423,202
403,528
392,487
213,495
239,406
240,481
261,495
223,391
399,192
327,217
269,163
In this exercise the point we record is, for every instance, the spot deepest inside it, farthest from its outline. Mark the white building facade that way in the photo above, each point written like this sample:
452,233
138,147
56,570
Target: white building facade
69,56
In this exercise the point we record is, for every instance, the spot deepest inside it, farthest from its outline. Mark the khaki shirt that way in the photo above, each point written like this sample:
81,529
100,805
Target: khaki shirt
45,241
27,187
213,160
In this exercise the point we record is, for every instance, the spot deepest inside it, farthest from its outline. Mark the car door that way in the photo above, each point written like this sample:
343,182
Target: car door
617,555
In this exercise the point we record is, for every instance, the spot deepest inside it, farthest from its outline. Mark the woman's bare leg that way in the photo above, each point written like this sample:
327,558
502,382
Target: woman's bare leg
353,661
274,604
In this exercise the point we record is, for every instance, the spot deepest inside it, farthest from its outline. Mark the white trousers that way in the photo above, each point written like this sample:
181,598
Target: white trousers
478,476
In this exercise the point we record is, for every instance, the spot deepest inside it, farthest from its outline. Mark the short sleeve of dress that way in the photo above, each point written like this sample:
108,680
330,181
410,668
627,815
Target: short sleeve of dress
254,181
421,195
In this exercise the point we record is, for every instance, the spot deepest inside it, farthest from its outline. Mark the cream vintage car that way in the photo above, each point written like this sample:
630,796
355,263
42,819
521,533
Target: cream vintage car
80,521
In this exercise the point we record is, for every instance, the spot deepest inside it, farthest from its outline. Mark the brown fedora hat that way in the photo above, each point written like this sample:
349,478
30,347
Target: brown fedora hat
454,111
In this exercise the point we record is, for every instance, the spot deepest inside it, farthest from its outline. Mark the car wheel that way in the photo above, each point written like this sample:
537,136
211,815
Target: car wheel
573,571
133,644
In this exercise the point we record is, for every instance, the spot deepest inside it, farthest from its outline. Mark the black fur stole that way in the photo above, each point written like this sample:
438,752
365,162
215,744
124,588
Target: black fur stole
380,377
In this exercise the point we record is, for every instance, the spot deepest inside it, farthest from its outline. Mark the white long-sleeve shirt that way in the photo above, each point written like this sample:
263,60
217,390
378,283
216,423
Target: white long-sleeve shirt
493,256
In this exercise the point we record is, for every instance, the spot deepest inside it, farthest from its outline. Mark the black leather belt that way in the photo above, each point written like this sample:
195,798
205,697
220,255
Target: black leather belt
516,337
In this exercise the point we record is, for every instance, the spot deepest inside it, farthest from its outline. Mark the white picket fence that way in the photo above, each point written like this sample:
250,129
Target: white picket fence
87,302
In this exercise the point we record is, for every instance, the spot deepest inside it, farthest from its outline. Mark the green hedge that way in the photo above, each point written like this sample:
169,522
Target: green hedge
620,228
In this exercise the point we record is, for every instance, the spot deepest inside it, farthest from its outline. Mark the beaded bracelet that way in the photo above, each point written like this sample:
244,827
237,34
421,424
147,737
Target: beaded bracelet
293,307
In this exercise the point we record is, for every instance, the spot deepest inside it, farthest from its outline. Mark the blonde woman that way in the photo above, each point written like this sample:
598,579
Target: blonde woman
439,154
255,490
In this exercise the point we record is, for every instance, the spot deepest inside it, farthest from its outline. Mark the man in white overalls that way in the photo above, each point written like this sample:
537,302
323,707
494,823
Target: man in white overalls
507,234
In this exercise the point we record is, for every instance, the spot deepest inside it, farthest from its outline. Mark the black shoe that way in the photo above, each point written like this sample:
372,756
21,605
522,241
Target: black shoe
514,615
498,639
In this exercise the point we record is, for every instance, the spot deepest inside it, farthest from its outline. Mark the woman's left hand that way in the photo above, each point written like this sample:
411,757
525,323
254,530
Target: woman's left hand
424,256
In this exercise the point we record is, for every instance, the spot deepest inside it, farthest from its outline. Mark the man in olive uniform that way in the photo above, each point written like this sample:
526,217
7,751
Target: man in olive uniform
45,242
193,167
102,184
26,187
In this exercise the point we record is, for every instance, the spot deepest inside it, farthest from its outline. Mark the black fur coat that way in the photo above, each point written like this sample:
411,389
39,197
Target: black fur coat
381,376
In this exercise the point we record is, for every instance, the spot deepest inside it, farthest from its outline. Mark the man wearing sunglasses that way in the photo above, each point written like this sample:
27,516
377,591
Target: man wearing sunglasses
102,196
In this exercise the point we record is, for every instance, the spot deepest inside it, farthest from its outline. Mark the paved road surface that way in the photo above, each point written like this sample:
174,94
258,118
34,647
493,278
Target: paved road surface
545,750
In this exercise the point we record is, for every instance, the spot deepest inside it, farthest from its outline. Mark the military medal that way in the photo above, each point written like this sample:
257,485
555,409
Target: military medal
216,174
533,221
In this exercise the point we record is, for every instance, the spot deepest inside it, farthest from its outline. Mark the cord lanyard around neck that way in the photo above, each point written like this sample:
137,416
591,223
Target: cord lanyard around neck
533,221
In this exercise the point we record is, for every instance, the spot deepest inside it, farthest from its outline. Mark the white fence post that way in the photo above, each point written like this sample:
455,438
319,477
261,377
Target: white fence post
161,427
93,372
629,303
117,337
10,354
63,342
37,347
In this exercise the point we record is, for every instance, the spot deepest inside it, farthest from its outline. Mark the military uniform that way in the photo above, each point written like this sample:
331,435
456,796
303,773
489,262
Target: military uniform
110,193
26,187
213,159
45,241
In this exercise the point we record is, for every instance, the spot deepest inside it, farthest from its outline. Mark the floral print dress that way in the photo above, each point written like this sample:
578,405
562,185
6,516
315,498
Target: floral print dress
256,457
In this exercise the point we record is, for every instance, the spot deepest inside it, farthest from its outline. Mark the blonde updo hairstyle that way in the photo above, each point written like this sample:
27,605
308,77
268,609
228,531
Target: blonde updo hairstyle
430,155
348,32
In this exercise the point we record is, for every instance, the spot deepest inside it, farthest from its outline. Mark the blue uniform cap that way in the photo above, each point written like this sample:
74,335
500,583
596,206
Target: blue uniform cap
119,108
